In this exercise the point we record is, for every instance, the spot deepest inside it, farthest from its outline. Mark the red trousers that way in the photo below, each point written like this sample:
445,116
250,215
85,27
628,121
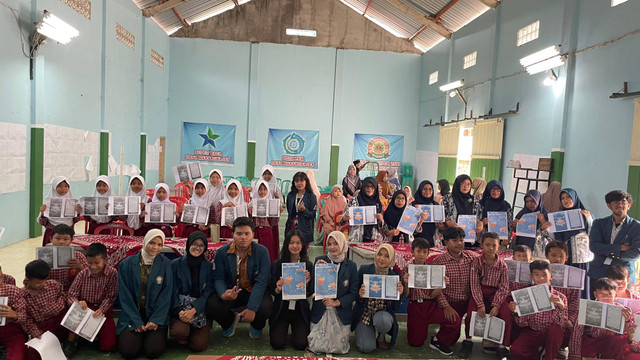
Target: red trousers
449,332
488,293
226,232
264,234
107,335
53,325
13,338
420,316
525,347
608,347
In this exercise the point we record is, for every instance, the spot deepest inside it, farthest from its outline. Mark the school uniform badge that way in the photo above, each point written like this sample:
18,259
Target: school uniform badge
345,283
159,280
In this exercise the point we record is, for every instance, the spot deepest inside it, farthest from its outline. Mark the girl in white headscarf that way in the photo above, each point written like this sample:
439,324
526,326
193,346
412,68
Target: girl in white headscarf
216,186
59,189
232,197
264,226
161,196
199,198
102,190
269,176
137,188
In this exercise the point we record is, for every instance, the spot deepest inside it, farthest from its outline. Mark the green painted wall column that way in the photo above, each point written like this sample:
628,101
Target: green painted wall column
633,188
36,167
491,167
557,164
104,153
251,159
447,168
333,166
143,154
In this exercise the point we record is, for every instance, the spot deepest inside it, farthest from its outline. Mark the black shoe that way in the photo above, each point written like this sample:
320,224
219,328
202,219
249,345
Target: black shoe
69,348
502,354
436,345
466,348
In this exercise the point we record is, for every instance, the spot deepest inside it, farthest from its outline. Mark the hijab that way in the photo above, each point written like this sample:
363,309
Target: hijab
155,193
272,184
204,200
577,204
385,188
256,197
393,213
478,185
421,200
334,204
105,179
194,263
352,180
338,236
238,200
53,193
134,220
551,198
444,187
408,192
216,193
393,177
151,234
392,259
312,181
490,204
463,202
535,195
373,200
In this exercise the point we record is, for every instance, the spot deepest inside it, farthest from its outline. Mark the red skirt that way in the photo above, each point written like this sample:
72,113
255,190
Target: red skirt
265,238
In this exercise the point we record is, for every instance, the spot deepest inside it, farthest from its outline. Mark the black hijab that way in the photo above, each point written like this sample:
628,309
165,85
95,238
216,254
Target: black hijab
373,200
393,213
421,200
194,263
577,204
537,197
491,204
464,202
444,187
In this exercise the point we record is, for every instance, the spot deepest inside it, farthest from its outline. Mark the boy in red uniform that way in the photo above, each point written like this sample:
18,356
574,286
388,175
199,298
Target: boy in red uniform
454,300
620,275
422,304
6,278
12,334
489,281
542,330
96,288
62,235
557,252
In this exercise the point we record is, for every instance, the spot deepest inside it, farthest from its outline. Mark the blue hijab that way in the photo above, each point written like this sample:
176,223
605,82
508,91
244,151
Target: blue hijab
537,197
490,204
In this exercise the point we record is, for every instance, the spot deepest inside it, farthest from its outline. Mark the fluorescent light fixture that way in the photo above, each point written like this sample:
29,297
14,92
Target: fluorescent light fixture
241,2
216,10
617,2
540,55
301,32
56,29
451,86
420,47
546,65
390,29
352,6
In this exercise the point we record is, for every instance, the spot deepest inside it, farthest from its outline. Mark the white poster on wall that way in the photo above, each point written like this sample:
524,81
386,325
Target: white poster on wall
70,152
13,157
153,155
426,167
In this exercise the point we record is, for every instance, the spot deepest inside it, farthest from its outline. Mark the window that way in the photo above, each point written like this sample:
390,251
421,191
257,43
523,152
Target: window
469,60
528,33
617,2
465,146
433,78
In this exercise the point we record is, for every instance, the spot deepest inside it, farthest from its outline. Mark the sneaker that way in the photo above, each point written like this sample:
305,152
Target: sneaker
255,333
466,348
563,354
502,354
436,345
69,348
231,330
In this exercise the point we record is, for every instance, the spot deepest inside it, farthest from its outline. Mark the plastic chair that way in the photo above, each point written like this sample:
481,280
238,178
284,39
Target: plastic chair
117,228
181,190
226,179
150,192
407,175
244,181
278,180
246,194
178,200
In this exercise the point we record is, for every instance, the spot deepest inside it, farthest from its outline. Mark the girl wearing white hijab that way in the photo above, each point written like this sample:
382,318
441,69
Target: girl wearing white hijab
232,197
216,186
200,197
137,188
347,293
102,189
161,196
265,226
59,189
145,291
269,176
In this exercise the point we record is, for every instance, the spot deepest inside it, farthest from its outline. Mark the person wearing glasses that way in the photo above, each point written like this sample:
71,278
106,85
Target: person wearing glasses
615,239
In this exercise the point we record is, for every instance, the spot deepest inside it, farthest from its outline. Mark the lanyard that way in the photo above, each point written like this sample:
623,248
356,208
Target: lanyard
298,201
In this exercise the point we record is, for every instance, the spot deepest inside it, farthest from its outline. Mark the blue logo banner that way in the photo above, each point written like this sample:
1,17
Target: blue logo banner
293,148
208,143
386,150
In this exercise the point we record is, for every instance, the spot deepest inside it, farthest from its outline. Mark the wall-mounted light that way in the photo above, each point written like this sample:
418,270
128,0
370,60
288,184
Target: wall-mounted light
551,79
452,85
543,60
301,32
54,28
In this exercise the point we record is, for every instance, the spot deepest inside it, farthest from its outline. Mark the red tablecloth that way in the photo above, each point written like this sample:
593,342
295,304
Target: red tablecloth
120,247
404,257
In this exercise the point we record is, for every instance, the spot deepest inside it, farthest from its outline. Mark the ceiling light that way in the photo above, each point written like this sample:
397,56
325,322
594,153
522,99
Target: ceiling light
56,29
216,10
551,79
387,27
617,2
451,86
240,2
301,32
546,64
540,55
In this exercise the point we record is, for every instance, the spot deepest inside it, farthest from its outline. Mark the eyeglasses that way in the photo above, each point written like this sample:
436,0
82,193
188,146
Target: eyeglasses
620,202
198,246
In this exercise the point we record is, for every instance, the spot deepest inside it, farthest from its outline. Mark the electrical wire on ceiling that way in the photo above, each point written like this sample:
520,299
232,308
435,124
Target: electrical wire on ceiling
23,40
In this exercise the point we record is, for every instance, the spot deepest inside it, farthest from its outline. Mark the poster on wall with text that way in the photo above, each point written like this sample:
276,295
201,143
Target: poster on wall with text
386,150
208,143
293,148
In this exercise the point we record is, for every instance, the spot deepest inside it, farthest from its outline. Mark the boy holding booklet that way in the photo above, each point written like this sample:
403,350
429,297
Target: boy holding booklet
12,334
95,287
589,341
62,235
541,330
422,309
520,253
489,288
557,252
620,275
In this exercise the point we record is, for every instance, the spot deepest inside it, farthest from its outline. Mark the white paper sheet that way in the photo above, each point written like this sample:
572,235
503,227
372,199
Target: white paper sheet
48,346
195,214
489,327
4,300
71,152
160,213
532,299
427,276
567,276
601,315
82,322
13,157
229,214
